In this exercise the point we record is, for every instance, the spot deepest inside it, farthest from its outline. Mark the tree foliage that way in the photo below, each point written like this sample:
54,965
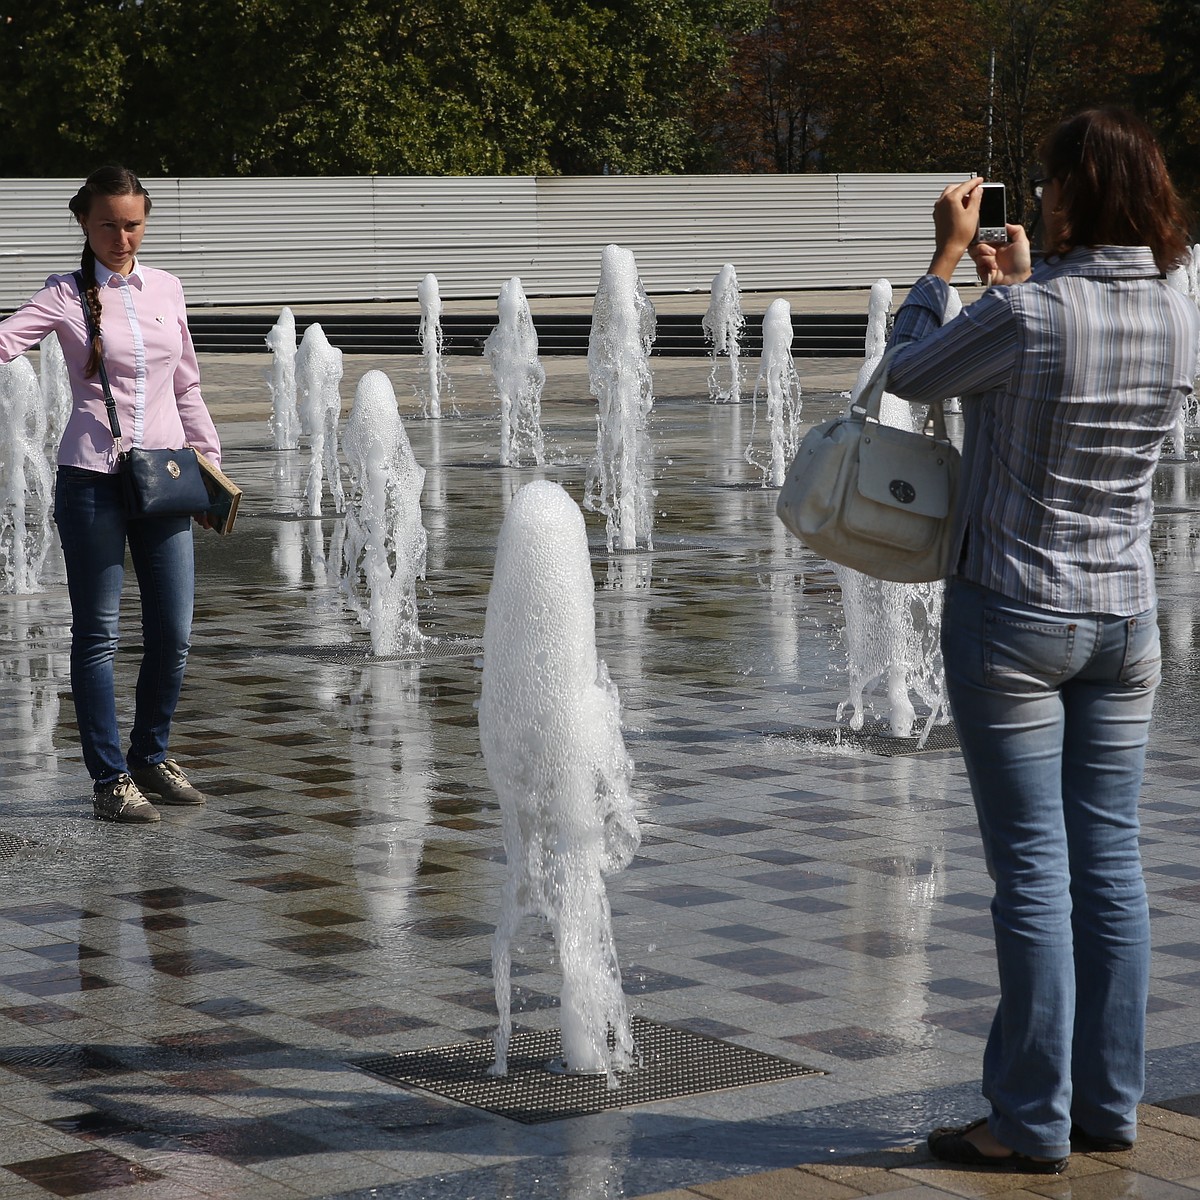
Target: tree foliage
364,86
216,87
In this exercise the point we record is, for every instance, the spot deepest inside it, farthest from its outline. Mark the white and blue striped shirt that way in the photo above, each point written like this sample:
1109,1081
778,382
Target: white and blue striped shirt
1070,381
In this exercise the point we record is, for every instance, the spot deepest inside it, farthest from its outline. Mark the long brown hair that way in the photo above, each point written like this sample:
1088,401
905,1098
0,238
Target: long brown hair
107,181
1114,188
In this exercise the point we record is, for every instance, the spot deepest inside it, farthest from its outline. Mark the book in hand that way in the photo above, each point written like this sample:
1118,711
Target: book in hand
223,493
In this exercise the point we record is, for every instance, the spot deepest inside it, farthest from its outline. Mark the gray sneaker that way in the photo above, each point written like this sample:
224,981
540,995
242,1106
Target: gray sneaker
167,783
121,801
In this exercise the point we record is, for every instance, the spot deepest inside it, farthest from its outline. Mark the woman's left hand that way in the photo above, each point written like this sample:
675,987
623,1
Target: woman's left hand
202,519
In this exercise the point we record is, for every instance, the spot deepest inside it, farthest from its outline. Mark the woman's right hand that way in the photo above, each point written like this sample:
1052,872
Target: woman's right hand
1004,264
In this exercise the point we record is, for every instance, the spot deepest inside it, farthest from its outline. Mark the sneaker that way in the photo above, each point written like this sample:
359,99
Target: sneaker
120,800
167,783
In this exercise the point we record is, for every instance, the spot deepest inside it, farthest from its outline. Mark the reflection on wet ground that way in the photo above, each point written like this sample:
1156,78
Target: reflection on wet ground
180,1005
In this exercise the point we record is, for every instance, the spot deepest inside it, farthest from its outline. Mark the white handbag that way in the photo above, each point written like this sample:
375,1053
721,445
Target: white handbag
875,498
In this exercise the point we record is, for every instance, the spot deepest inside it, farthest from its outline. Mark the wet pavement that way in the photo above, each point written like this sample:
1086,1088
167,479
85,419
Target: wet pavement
181,1007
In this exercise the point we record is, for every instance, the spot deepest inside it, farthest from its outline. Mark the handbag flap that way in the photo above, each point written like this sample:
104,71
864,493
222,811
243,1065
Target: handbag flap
906,470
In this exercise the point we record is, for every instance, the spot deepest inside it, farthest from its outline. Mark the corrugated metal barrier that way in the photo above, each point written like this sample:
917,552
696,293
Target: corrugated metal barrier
311,240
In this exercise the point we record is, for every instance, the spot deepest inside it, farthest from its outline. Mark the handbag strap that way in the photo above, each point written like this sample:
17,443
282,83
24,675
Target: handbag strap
114,425
870,402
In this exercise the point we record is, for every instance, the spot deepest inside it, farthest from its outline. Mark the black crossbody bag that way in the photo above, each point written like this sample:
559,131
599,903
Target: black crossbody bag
155,483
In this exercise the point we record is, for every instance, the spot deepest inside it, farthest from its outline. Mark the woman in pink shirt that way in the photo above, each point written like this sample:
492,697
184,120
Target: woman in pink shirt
141,332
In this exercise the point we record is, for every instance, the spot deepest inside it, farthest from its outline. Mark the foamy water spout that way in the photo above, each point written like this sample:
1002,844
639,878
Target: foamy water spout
512,351
723,324
26,479
383,551
777,373
284,422
550,728
318,380
432,342
618,481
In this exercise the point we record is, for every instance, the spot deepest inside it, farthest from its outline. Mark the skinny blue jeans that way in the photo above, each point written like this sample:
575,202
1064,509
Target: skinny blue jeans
93,529
1053,714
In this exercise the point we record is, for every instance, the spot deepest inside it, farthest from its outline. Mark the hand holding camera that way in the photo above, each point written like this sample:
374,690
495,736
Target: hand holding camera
959,228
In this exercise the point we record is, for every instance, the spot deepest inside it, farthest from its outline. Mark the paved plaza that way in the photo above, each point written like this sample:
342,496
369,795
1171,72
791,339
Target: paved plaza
182,1007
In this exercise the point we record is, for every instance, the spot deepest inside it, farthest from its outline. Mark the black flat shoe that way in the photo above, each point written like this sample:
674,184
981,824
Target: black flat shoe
949,1144
1090,1144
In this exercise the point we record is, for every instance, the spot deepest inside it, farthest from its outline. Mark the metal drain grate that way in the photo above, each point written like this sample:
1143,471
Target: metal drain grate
674,1062
11,845
874,739
358,654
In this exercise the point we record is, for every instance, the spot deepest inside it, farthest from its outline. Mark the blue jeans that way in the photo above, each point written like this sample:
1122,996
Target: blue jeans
1053,713
93,529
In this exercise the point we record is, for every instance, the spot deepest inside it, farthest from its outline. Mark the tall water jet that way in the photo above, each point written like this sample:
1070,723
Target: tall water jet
550,728
954,305
284,422
432,343
618,479
383,549
512,350
26,479
777,372
892,629
723,324
55,383
318,376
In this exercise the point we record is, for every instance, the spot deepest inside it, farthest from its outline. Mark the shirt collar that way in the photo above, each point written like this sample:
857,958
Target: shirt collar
1101,262
104,276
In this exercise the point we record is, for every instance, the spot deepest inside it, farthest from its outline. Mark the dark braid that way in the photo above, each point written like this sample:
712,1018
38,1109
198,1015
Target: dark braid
107,181
91,292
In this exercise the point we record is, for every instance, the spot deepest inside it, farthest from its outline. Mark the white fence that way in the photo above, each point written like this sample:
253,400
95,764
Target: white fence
307,240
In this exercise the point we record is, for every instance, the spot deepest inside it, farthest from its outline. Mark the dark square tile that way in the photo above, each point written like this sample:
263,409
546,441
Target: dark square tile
1190,950
213,1045
321,945
835,833
451,926
640,981
779,993
321,972
685,895
369,1020
156,922
91,1125
65,952
1190,893
980,926
63,1063
324,917
721,827
250,831
760,960
228,1007
743,933
819,814
55,981
962,989
44,912
750,771
206,1081
792,881
976,1021
168,897
808,904
851,1042
877,943
354,818
249,1142
287,881
39,1014
779,857
184,963
86,1171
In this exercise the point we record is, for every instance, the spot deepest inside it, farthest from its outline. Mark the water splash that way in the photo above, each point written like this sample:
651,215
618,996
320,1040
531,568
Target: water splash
550,728
1185,278
383,546
26,480
284,422
618,480
777,372
432,344
512,351
892,629
723,324
318,379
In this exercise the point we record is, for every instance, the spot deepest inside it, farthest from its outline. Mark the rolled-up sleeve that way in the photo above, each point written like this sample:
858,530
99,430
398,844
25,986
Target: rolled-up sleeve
975,352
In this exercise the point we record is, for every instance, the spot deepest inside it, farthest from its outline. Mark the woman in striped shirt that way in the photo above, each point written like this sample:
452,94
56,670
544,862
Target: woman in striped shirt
1072,373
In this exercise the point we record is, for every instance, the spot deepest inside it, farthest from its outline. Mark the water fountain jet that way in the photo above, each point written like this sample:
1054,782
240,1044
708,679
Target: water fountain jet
512,350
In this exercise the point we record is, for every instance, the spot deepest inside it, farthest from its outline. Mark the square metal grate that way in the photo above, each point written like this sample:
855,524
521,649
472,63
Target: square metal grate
11,845
674,1062
875,738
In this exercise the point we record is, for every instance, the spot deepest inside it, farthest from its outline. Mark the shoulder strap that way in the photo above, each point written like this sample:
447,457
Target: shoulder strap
871,401
113,424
